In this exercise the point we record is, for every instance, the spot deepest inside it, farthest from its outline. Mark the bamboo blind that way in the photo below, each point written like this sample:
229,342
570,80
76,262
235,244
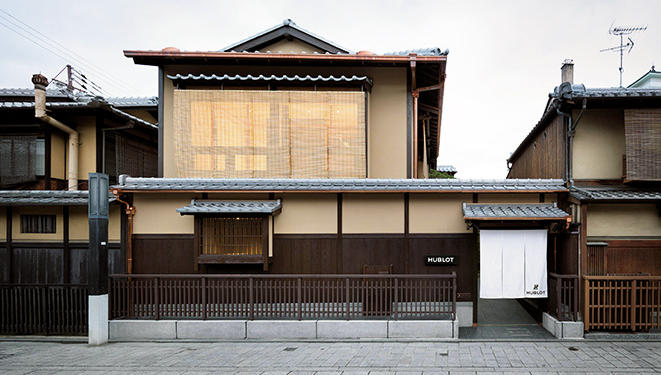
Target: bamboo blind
269,134
642,129
232,236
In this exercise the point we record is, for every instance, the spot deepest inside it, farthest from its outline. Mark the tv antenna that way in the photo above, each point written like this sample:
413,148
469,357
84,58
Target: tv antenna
621,31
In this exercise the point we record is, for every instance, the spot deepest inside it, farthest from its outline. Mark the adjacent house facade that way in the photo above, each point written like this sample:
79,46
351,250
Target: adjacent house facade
50,140
604,142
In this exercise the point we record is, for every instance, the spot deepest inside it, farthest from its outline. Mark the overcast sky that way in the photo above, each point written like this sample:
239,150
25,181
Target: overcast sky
504,59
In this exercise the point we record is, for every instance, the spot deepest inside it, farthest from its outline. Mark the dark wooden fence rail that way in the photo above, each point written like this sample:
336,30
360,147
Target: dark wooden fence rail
563,296
43,309
622,302
283,296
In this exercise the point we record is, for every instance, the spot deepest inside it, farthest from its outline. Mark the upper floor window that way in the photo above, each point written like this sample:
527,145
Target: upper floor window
37,223
23,159
642,129
269,134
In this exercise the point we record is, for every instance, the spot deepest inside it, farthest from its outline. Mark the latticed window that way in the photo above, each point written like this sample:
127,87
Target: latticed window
23,158
37,223
221,238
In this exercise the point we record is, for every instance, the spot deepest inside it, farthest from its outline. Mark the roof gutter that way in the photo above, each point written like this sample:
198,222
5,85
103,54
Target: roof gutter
40,82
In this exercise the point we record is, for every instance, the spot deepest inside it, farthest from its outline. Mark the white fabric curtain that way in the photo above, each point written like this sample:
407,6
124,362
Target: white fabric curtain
513,264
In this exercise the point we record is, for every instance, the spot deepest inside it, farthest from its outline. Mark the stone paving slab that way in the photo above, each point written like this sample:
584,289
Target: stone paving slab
371,358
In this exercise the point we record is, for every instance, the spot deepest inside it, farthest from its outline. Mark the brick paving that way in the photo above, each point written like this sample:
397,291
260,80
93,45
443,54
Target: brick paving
274,358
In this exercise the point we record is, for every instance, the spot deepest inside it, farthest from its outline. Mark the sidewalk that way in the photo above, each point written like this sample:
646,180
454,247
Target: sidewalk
20,357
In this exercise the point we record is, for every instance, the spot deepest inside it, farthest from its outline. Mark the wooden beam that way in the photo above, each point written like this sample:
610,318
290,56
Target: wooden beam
406,232
66,251
339,245
10,248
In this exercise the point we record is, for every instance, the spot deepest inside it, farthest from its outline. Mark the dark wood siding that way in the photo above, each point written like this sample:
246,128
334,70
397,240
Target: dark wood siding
305,254
43,262
633,256
544,155
163,253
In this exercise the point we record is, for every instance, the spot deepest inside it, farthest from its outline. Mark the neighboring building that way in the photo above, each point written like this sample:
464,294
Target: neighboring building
43,197
449,169
606,144
286,153
649,80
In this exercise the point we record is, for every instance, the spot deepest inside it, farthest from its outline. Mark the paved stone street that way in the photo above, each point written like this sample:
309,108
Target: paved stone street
20,357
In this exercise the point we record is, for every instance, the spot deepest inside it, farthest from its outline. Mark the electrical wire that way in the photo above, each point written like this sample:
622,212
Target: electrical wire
48,46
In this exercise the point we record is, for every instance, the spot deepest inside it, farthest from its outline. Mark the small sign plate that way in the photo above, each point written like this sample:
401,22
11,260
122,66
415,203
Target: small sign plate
441,260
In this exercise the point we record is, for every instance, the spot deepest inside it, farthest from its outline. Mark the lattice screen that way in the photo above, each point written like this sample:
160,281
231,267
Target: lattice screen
642,128
269,134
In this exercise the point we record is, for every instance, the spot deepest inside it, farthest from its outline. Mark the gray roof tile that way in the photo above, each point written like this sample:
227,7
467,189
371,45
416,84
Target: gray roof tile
615,192
516,211
260,77
446,168
420,52
338,185
26,92
45,197
231,207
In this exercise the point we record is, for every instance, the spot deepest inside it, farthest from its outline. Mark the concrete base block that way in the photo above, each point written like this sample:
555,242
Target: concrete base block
455,329
573,330
97,318
561,329
465,314
142,329
211,329
438,329
281,329
352,329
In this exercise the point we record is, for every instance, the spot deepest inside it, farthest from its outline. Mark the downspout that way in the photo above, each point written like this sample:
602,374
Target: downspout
130,212
40,82
415,94
571,131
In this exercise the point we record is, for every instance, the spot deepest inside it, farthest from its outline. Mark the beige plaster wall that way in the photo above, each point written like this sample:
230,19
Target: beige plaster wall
58,155
156,213
290,46
307,213
78,224
386,127
87,147
507,198
623,220
599,145
373,213
142,114
45,210
437,213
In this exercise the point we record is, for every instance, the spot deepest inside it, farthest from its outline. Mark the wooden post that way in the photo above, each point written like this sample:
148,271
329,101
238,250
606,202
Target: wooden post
66,251
157,302
204,298
10,249
406,233
346,283
299,296
558,300
251,297
633,304
586,308
396,297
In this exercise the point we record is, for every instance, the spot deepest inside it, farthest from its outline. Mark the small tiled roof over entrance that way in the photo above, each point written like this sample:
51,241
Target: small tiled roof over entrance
615,193
127,184
198,207
45,197
516,211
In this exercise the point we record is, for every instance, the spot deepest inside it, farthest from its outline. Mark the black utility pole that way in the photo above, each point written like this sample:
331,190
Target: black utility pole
98,233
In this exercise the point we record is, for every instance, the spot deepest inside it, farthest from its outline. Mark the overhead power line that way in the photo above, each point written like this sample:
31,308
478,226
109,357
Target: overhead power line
57,48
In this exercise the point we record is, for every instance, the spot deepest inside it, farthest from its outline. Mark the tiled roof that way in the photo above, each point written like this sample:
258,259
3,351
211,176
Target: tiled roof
231,207
420,52
45,197
50,93
579,91
446,168
82,103
147,101
286,23
260,77
338,185
539,211
613,193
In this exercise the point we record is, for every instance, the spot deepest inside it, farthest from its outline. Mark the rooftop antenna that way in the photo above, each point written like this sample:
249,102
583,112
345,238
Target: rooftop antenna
621,31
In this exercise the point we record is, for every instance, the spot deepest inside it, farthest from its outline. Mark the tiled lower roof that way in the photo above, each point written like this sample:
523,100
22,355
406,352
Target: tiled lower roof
231,207
45,197
614,193
237,77
446,168
127,183
518,211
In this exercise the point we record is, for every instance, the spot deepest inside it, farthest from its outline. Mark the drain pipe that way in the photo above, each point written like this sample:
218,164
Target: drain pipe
571,127
40,82
130,212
